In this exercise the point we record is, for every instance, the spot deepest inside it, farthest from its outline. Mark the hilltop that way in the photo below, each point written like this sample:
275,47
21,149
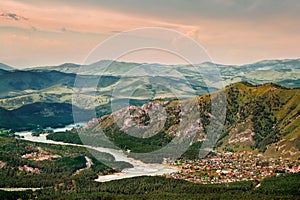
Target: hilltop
55,84
263,119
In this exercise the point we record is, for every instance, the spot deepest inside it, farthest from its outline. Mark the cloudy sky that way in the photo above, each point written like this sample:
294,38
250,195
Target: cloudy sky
52,32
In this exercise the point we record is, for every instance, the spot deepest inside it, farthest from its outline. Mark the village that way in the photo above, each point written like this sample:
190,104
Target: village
231,167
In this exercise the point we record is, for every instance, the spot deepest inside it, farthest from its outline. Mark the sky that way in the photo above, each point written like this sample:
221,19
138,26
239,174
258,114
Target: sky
52,32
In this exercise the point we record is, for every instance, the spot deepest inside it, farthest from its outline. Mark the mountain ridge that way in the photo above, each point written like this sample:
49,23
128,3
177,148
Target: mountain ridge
148,81
258,118
6,67
285,72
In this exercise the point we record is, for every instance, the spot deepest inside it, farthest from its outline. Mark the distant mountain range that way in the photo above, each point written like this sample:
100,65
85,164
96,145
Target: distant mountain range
148,81
5,67
284,72
139,83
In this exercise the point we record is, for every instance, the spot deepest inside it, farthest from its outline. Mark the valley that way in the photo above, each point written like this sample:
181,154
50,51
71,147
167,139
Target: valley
55,85
132,149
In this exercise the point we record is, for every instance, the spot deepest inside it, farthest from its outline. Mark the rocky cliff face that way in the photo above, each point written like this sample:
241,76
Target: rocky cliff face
258,118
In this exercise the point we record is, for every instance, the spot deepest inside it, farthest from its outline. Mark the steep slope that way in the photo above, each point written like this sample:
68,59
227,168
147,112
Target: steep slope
260,115
257,119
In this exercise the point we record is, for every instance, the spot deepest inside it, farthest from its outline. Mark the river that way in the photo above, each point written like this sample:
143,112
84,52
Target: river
139,168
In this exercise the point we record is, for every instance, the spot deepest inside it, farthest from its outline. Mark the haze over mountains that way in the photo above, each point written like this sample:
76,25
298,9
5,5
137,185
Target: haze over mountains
122,81
284,72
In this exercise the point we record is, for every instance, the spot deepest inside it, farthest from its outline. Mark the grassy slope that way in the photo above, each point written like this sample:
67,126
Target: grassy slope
269,111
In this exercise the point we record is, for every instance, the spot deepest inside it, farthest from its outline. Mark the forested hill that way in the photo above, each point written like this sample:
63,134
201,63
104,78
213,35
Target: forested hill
264,118
258,116
39,115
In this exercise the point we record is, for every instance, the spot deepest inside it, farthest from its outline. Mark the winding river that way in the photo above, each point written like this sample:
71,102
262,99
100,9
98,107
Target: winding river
139,168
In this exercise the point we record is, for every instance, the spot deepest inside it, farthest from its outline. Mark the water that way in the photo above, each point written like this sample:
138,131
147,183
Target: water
139,168
66,128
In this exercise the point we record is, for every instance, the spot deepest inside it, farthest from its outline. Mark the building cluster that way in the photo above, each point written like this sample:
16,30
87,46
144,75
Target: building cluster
231,167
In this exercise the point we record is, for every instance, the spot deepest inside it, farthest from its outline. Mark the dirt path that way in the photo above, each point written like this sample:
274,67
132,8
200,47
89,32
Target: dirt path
88,165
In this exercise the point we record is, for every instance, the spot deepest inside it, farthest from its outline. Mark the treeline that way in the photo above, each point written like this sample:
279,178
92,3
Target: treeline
136,144
68,137
282,187
58,179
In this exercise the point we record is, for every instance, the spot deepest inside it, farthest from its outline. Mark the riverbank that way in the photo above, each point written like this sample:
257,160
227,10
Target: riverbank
139,168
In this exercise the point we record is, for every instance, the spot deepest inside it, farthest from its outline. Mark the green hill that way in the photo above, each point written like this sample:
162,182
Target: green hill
262,115
258,118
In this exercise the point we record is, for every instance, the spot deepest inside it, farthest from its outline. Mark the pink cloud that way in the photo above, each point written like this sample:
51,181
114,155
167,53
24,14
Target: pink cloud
75,30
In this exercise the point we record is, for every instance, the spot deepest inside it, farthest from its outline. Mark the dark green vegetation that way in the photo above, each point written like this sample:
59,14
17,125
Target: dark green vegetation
62,167
135,144
58,179
39,115
193,151
122,140
67,137
282,187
